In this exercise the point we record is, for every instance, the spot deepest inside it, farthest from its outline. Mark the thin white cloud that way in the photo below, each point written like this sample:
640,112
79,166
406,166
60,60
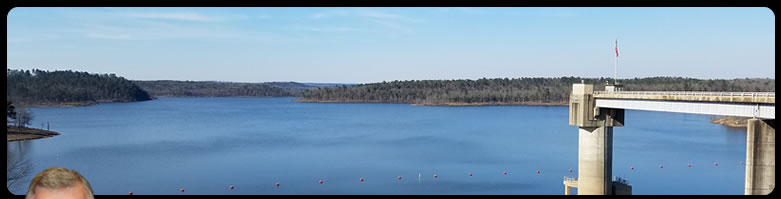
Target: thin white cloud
330,13
334,29
374,14
182,16
379,15
168,31
385,19
100,35
393,25
161,25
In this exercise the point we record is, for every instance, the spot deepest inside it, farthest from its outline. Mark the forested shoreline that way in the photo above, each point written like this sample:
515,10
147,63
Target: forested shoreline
172,88
64,88
40,88
69,88
516,91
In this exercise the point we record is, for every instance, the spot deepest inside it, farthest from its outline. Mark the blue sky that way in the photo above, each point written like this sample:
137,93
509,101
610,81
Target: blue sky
361,45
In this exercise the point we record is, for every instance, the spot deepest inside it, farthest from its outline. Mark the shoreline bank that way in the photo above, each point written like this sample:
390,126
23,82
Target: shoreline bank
437,104
23,133
732,121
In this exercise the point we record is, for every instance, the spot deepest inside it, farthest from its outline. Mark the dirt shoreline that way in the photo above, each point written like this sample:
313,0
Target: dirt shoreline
732,121
23,133
77,104
437,104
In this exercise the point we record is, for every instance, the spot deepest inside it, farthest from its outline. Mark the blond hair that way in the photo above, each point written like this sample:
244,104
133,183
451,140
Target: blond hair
58,178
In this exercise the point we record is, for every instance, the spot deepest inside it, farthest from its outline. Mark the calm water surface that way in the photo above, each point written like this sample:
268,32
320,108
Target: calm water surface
205,145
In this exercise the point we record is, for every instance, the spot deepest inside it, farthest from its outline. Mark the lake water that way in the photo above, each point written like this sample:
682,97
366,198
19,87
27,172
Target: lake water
204,145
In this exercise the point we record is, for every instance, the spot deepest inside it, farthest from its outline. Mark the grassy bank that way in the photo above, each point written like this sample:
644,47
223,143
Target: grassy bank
23,133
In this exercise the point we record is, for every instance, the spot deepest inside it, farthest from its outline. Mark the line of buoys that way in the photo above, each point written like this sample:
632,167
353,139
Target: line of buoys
470,174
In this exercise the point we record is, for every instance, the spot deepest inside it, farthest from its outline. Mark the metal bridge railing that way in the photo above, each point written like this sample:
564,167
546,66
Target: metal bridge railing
691,93
567,178
619,179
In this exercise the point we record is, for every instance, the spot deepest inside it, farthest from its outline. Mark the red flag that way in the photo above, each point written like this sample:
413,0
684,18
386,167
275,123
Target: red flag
616,48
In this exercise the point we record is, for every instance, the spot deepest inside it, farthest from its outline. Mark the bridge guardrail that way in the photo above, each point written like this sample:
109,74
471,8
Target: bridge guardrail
692,93
567,178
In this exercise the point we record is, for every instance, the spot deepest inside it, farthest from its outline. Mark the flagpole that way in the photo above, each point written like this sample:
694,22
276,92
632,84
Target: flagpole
615,66
615,72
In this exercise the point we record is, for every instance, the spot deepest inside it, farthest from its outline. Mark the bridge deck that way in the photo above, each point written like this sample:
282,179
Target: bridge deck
734,97
743,104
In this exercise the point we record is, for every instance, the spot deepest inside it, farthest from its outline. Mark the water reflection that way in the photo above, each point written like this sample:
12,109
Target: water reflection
18,164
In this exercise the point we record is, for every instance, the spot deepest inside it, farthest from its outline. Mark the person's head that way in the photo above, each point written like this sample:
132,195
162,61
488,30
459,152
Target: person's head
58,182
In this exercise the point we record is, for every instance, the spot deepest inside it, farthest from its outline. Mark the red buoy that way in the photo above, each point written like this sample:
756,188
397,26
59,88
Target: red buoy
741,162
570,170
716,164
181,190
633,168
435,176
690,165
277,184
538,171
505,173
399,177
231,187
470,174
321,181
361,179
660,166
130,193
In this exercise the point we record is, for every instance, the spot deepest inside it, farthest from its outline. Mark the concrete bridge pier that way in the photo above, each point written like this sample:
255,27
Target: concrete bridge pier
595,140
760,157
595,160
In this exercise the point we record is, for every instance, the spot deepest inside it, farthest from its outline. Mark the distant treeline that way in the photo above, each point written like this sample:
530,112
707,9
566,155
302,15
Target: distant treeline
170,88
42,88
520,91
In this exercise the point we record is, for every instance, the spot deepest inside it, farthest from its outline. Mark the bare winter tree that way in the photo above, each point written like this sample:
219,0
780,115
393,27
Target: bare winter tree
23,116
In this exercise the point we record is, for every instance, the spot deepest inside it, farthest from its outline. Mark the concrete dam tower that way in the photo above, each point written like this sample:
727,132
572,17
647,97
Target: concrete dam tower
595,113
595,144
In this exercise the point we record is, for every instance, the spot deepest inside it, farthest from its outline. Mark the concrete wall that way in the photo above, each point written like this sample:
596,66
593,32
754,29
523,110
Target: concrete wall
595,140
595,160
760,157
